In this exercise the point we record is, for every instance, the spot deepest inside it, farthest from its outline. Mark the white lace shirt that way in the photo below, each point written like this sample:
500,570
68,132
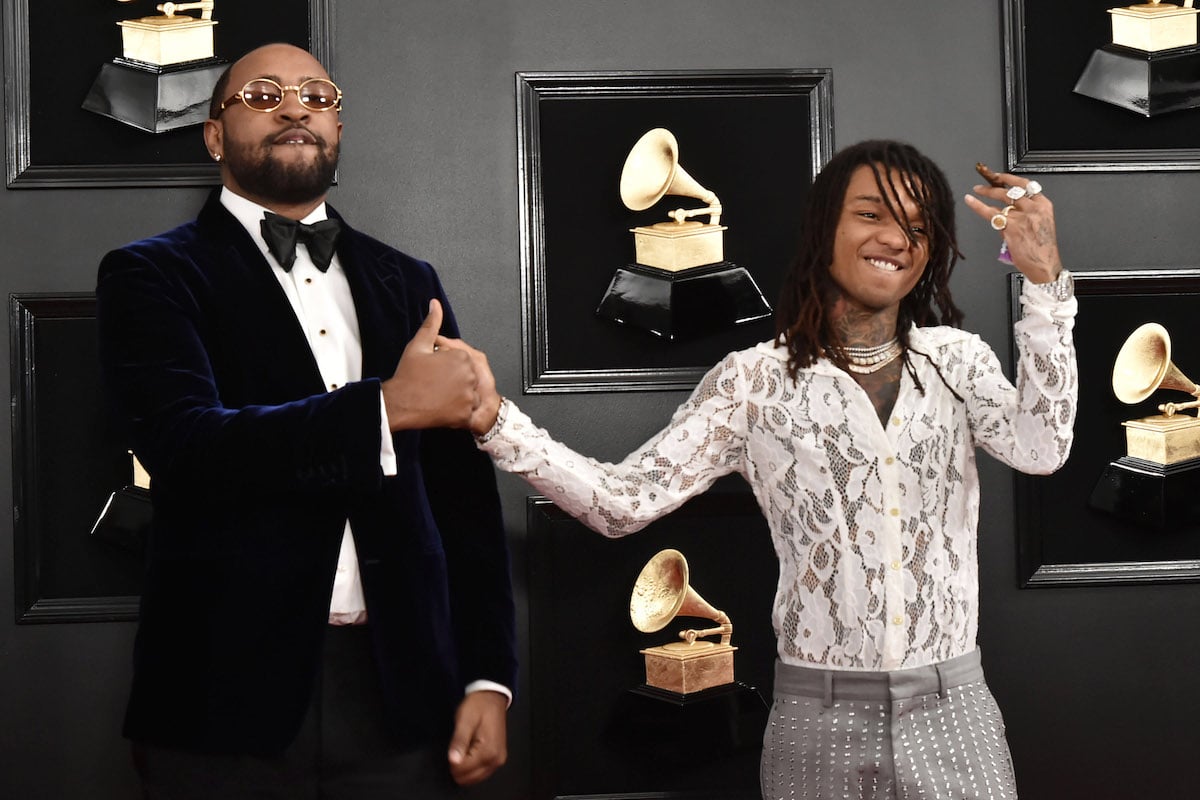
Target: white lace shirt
874,525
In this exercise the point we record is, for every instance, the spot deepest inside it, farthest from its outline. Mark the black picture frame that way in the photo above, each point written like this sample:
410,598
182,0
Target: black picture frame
67,461
584,650
1050,128
1061,539
755,137
51,59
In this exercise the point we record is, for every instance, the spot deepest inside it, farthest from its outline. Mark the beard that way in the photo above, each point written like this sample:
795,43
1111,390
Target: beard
258,172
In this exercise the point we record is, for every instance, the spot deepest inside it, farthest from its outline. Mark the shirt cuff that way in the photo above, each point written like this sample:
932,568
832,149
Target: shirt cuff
489,686
387,451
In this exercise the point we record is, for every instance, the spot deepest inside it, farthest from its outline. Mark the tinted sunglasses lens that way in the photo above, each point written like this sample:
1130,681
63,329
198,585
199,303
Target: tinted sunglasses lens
262,95
318,95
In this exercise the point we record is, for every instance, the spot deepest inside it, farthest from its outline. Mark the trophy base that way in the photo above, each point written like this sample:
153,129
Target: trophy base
683,304
125,519
154,98
167,40
689,668
1153,27
1163,440
677,246
1147,494
1146,83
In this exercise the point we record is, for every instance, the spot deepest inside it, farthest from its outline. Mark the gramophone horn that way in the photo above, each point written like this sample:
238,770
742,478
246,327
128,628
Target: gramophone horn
1144,365
652,170
661,593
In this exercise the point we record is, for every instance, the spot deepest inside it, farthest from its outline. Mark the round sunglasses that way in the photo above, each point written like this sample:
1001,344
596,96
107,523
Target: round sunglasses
264,94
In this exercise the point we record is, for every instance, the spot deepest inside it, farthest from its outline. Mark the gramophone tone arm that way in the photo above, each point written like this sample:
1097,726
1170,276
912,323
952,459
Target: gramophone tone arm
169,9
713,210
724,627
1169,409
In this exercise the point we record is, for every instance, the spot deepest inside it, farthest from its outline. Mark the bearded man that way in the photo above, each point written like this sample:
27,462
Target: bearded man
327,607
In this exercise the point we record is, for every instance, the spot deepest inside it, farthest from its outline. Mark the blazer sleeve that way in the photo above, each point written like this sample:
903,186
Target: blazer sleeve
460,483
159,373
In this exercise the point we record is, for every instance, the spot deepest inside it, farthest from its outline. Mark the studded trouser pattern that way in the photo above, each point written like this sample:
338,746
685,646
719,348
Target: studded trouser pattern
888,742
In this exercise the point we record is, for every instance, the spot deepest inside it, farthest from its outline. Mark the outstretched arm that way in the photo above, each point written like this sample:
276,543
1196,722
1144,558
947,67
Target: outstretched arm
704,440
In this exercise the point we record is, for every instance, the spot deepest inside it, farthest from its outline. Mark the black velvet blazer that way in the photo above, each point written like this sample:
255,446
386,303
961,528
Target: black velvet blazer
255,468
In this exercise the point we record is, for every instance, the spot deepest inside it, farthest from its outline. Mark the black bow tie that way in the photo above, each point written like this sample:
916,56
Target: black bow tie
282,234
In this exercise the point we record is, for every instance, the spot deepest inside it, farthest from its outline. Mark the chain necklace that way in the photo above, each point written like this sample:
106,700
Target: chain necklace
865,360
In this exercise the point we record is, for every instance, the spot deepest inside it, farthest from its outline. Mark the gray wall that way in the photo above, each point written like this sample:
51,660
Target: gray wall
430,164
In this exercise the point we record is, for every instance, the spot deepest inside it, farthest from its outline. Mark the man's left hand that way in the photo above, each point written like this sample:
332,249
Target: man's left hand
480,743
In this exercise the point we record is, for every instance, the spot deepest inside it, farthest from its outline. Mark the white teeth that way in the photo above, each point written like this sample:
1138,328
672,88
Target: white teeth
888,266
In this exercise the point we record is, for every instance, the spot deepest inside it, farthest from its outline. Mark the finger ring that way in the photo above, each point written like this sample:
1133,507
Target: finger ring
999,222
1033,189
1007,209
1015,193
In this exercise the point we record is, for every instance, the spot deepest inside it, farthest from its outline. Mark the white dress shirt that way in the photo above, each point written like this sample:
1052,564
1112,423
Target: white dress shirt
874,524
325,310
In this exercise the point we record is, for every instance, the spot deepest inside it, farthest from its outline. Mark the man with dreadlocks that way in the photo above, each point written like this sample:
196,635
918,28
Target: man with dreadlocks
856,429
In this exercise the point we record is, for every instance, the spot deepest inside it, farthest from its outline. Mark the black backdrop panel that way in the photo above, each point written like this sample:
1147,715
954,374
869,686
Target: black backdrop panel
585,655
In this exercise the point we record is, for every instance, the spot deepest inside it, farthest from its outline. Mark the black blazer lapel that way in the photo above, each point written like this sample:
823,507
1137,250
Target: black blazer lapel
377,286
253,304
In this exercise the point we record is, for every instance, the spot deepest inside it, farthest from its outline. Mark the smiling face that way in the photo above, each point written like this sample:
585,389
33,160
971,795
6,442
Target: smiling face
875,263
283,159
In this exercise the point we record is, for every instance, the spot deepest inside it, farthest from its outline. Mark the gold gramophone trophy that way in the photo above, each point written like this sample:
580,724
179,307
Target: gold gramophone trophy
693,664
1157,481
681,285
1152,65
165,75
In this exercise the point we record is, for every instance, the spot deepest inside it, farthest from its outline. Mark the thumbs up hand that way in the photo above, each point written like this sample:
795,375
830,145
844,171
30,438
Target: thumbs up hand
433,386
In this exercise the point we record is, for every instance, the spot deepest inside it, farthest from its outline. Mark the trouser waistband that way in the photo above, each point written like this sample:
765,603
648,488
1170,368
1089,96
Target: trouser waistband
831,685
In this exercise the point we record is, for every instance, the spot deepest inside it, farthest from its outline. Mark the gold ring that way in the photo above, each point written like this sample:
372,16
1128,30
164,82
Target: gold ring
999,222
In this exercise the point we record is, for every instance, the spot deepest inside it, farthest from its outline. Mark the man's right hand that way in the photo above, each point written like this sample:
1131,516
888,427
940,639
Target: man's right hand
488,407
433,387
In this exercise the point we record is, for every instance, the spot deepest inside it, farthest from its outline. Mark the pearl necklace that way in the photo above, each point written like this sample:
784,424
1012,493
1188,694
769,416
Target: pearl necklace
865,360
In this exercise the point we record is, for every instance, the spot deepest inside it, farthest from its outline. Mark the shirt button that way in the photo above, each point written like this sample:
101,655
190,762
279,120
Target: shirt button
897,620
889,461
895,565
308,280
321,332
896,420
895,512
333,386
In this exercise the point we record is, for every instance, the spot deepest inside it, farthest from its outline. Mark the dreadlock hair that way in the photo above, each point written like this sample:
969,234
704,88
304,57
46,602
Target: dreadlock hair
802,320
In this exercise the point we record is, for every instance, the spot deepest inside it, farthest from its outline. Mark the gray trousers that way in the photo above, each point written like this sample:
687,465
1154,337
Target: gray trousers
929,733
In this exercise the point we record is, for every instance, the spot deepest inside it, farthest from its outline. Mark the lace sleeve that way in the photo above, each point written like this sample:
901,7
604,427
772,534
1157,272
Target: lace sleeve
1030,426
704,440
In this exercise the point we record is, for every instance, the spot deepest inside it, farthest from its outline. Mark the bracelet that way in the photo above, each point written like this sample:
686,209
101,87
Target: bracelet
1061,288
501,415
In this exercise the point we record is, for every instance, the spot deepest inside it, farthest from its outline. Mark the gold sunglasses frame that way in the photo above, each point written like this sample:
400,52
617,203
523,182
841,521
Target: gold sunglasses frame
283,90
